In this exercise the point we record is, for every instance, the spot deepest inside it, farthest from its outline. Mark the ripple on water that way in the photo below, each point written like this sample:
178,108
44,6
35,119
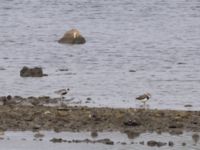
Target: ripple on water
159,39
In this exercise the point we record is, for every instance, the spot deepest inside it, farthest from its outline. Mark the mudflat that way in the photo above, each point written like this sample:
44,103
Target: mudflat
35,116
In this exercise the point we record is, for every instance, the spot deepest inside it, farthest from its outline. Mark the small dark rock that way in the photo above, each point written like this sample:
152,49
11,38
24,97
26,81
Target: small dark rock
183,144
57,140
176,125
123,143
63,69
132,70
188,105
181,63
31,72
132,134
2,68
9,97
195,137
36,127
94,134
89,99
106,141
142,143
155,143
132,123
176,132
38,135
171,144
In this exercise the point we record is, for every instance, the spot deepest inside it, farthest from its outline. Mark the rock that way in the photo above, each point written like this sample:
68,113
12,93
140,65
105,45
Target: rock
131,70
94,134
171,144
31,72
9,97
123,143
132,123
175,125
39,135
195,137
63,69
36,127
141,142
1,68
72,36
187,105
183,144
155,143
57,140
105,141
89,99
176,132
132,134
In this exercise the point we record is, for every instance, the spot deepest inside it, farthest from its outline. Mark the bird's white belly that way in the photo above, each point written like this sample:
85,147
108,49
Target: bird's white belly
144,100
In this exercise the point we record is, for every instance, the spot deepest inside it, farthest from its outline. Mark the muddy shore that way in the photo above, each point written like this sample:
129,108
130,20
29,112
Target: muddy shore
20,114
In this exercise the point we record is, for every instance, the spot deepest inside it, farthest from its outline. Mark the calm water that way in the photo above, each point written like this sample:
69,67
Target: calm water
159,39
26,140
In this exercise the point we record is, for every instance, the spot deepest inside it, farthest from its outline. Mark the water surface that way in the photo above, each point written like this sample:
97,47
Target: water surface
159,39
26,140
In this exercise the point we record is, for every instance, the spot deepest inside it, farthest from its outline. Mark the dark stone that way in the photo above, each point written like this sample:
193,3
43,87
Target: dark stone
188,105
195,137
38,135
132,134
176,131
57,140
9,97
155,143
132,70
89,99
1,68
63,69
171,144
175,125
183,144
106,141
132,123
31,72
94,134
142,143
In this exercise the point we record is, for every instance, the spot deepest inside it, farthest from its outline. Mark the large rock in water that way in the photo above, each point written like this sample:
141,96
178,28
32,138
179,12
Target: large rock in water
72,36
31,72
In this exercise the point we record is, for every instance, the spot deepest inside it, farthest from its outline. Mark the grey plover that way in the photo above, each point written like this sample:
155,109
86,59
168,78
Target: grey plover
144,98
62,92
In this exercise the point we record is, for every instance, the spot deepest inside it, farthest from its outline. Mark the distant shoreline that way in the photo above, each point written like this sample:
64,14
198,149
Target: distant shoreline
33,116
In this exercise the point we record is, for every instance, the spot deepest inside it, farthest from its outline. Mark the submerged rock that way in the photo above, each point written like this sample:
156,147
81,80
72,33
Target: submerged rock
155,143
57,140
195,137
72,36
171,144
31,72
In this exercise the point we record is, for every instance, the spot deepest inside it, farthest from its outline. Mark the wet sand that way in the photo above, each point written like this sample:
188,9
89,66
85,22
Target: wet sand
30,114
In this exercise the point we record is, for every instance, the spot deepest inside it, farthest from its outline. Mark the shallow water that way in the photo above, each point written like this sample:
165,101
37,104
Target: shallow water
159,39
26,140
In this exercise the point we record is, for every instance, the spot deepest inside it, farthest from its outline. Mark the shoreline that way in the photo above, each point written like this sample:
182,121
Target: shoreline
31,115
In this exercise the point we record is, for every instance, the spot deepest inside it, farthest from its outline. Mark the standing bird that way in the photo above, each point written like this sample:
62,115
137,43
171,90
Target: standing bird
144,98
62,92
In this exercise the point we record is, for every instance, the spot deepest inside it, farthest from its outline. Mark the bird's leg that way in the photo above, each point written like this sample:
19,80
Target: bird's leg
62,98
144,104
